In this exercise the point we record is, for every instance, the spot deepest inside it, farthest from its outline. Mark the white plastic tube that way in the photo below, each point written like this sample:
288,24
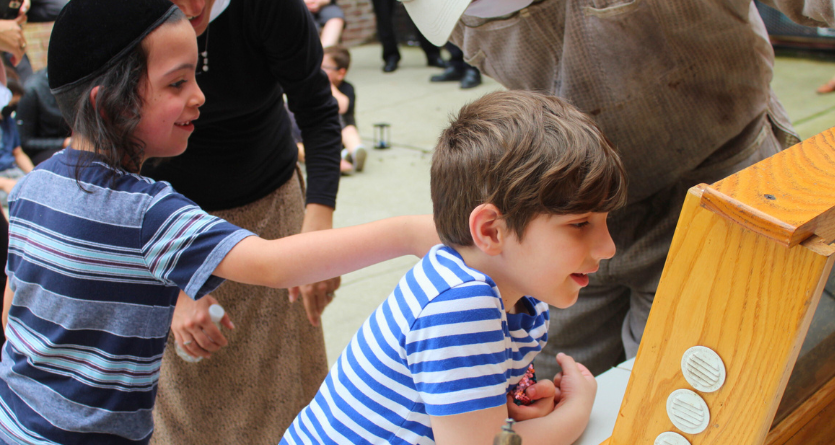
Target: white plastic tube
216,313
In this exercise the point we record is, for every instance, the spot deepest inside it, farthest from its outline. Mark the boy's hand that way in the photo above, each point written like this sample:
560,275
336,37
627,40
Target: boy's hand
575,384
543,393
193,328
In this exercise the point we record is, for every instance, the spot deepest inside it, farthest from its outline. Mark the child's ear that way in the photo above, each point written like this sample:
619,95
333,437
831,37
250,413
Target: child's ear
487,227
94,93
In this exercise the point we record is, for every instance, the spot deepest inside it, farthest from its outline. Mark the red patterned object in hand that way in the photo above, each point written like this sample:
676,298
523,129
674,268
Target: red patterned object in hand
519,396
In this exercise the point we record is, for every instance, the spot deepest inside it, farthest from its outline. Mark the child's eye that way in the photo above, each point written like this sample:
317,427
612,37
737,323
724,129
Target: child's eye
178,84
580,225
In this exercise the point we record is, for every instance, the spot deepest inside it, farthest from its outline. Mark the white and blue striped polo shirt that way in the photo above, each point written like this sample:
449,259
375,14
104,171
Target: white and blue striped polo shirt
95,276
440,344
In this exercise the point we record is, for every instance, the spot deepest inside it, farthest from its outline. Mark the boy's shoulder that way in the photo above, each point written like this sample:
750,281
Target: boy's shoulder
453,280
443,270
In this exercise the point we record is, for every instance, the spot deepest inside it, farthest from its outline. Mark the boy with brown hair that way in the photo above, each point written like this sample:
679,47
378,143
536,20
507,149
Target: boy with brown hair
335,63
521,187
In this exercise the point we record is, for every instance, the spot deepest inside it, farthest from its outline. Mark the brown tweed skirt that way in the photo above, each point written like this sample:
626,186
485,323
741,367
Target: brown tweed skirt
250,391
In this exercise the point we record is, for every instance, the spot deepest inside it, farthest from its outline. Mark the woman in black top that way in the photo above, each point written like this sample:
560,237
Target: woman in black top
241,165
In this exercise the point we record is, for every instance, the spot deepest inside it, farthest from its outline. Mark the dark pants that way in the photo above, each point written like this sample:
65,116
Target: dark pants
384,11
456,58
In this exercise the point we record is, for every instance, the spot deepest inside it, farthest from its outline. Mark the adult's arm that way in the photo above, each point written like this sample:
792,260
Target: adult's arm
294,53
819,13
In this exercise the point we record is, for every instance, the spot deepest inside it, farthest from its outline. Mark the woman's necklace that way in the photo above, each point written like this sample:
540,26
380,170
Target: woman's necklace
205,52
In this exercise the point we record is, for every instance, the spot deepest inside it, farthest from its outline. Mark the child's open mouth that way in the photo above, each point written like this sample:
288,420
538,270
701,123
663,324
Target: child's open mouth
187,125
581,279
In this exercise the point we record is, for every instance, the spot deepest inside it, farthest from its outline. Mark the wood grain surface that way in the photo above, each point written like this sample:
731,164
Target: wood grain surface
787,197
739,292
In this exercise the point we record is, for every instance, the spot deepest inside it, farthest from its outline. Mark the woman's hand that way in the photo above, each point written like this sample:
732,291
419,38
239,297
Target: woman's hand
193,328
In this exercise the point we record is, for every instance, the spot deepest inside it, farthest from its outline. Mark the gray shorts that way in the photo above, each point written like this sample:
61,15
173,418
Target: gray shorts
328,12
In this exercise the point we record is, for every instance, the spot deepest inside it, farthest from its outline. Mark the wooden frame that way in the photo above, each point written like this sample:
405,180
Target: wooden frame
743,277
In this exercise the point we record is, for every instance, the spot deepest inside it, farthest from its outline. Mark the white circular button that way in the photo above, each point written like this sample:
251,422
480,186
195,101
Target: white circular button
688,411
703,369
670,438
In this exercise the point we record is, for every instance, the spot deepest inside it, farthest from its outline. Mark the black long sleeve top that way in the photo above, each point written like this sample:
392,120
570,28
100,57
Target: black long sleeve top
242,148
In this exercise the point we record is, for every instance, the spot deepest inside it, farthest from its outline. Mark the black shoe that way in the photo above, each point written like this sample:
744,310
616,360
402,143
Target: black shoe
471,79
450,74
391,64
436,61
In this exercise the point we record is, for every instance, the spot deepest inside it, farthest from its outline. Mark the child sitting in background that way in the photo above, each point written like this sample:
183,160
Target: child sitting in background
13,161
335,63
521,186
98,253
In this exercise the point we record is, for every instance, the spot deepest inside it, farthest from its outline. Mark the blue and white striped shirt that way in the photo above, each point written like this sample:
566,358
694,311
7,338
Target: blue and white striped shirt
95,276
440,344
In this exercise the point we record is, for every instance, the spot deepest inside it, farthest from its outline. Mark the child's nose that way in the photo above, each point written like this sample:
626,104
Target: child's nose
605,247
198,99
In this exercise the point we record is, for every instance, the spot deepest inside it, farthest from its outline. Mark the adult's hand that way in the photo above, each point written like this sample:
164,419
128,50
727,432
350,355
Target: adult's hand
315,297
12,39
193,328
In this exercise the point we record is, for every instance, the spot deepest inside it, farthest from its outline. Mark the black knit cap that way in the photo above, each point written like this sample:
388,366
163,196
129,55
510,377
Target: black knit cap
89,36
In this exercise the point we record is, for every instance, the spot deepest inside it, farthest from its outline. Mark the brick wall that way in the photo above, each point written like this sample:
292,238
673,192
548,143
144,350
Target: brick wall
37,43
360,25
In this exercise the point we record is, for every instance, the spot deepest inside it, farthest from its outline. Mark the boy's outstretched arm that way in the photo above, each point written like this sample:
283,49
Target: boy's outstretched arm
316,256
561,427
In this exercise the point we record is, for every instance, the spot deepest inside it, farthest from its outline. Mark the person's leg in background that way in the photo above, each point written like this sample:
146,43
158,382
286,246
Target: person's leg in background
433,53
457,70
383,11
332,21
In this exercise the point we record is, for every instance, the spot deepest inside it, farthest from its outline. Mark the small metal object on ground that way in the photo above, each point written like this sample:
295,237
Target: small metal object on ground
382,135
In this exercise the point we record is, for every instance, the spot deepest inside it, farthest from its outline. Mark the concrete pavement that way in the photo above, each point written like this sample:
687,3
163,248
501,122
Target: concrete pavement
396,180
